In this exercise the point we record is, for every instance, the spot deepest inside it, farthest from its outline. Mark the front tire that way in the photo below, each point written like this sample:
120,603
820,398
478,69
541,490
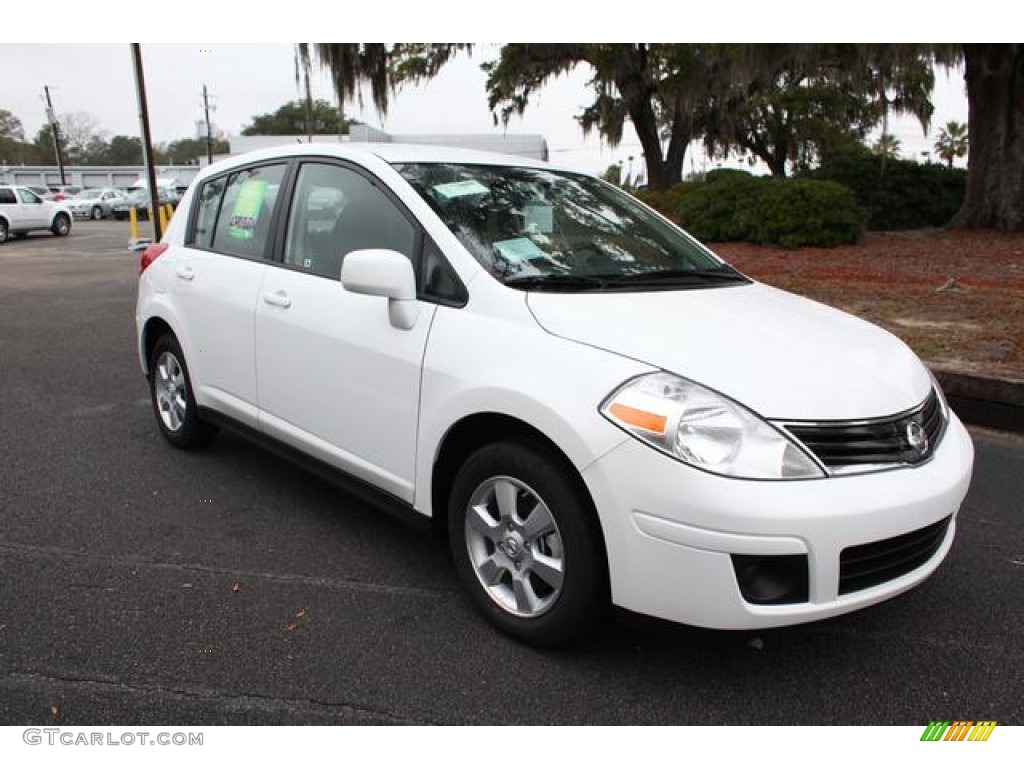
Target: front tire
61,225
4,232
96,213
174,404
526,544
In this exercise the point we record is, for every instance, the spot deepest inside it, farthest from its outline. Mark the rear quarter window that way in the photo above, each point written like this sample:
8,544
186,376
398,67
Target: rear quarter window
207,203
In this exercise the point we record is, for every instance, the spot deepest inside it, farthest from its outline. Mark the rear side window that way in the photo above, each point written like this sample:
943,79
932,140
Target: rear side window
7,196
245,211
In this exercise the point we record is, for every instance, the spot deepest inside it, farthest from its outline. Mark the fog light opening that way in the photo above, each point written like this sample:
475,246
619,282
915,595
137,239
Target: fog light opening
772,579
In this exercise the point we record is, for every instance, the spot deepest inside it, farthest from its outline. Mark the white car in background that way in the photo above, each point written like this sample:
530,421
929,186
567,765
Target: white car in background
23,211
590,404
95,203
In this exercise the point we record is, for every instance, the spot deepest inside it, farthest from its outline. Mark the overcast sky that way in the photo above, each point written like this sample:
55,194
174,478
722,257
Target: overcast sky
246,79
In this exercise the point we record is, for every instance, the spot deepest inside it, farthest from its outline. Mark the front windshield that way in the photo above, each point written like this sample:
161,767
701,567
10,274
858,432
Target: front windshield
533,225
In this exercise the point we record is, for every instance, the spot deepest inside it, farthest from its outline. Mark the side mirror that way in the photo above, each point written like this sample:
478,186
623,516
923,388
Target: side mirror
382,272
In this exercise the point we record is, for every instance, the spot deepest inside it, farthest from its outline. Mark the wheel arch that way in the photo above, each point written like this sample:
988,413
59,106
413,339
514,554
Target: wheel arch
476,430
154,328
66,215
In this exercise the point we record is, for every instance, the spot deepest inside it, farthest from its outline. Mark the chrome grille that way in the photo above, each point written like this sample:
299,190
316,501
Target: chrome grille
891,440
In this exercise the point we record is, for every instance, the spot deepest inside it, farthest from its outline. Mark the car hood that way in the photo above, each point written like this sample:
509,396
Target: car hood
784,356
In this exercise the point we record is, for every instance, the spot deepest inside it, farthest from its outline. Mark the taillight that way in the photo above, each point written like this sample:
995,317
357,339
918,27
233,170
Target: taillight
149,255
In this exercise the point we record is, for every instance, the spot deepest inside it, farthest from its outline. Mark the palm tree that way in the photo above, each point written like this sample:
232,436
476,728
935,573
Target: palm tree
952,141
887,146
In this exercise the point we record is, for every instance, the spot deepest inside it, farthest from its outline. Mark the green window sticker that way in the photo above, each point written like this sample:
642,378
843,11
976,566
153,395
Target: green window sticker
242,224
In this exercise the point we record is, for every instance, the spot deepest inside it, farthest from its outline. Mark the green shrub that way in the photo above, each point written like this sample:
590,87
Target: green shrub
799,212
906,195
717,210
787,212
667,202
718,174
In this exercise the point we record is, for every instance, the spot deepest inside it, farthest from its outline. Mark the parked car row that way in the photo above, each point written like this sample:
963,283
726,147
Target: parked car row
140,201
105,202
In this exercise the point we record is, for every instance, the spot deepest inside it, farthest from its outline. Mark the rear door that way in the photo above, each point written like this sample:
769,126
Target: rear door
216,278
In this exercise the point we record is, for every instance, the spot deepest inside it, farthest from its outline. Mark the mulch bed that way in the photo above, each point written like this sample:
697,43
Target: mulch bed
956,297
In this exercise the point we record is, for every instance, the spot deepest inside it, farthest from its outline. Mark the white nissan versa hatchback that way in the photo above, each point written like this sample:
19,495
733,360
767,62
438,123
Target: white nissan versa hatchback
593,406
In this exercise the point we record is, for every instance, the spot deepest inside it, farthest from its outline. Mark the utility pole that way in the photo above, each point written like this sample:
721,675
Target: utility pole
209,135
147,141
55,129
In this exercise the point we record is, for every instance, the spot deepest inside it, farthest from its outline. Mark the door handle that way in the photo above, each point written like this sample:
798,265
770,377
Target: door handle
277,299
185,272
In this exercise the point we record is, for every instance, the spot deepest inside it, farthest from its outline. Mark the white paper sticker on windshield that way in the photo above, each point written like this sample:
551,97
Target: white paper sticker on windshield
519,249
539,218
460,189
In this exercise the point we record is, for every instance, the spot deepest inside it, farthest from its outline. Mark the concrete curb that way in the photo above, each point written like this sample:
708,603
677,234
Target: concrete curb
983,401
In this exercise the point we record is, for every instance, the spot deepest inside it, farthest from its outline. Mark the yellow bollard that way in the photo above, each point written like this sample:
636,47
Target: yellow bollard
133,219
163,218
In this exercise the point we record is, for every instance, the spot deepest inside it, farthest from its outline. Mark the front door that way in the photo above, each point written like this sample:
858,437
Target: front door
335,378
31,210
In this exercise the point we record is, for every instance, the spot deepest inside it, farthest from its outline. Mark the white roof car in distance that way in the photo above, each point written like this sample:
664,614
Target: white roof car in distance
23,211
589,404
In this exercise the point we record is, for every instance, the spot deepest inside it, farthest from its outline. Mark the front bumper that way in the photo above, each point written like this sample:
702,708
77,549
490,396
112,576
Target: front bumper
670,531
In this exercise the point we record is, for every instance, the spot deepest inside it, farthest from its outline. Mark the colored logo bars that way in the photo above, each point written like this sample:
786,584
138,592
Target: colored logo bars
959,730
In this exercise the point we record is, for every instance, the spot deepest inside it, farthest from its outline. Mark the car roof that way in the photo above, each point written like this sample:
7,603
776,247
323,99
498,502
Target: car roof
389,153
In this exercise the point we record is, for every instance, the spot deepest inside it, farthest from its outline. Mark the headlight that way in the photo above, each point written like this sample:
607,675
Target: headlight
705,430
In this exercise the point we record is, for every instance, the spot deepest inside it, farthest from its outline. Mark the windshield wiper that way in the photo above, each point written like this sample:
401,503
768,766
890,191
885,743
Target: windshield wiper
680,276
558,282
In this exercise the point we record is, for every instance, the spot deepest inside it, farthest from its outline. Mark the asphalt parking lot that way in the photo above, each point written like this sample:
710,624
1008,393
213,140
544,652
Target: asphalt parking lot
143,585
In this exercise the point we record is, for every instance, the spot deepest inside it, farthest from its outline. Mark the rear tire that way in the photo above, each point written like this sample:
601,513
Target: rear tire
61,225
4,232
527,545
174,405
96,213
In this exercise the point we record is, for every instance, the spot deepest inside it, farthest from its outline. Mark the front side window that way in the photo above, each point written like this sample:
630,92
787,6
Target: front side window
243,220
534,227
336,211
27,196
